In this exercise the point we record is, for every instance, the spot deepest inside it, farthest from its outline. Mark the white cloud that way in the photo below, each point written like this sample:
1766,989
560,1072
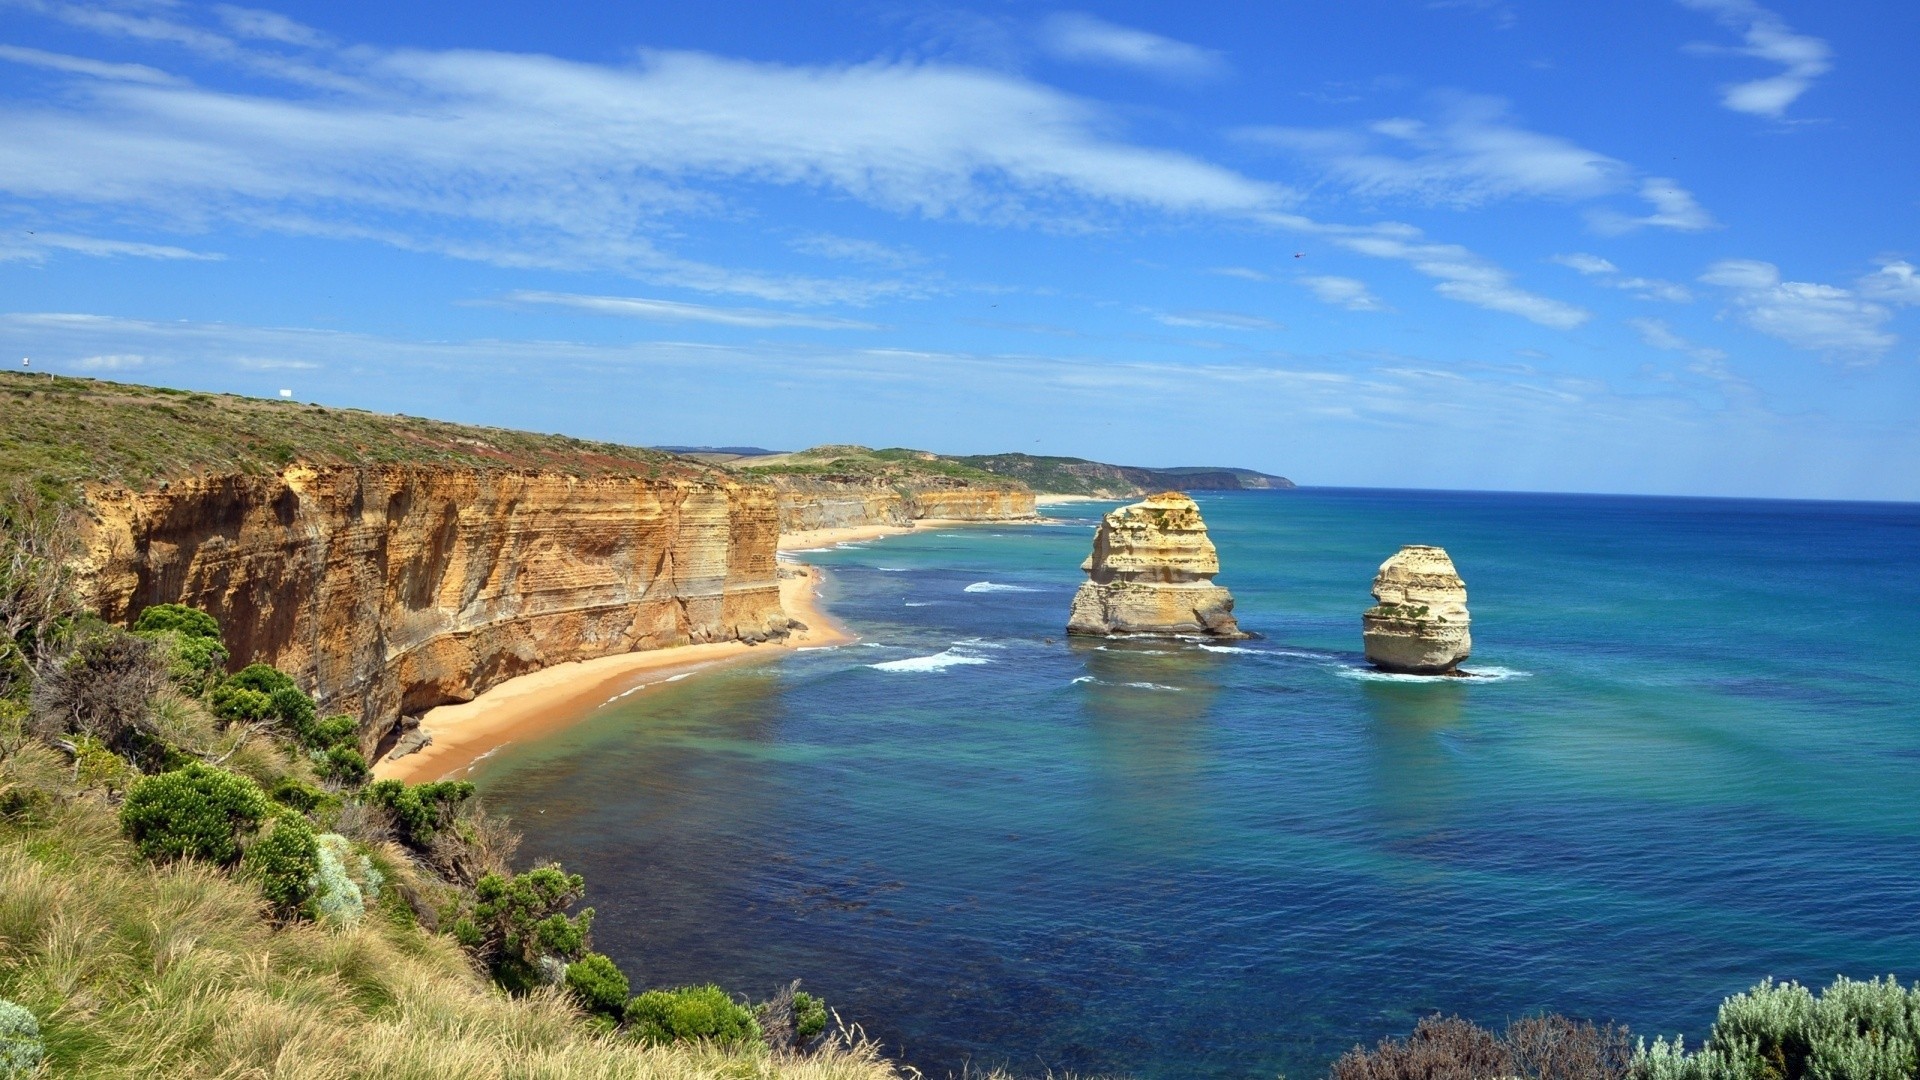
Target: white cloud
1463,275
1087,39
635,307
534,161
80,65
1608,274
1586,264
111,362
1244,273
1674,207
1818,318
1475,152
849,249
268,26
1217,320
34,246
1896,282
1661,336
1346,292
1766,36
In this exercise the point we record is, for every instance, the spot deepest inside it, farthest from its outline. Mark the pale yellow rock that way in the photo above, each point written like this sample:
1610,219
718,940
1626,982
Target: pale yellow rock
388,590
1419,623
1151,572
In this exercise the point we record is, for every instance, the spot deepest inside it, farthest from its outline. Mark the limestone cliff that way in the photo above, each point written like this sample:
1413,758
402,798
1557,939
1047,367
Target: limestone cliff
1419,623
817,502
1151,572
387,590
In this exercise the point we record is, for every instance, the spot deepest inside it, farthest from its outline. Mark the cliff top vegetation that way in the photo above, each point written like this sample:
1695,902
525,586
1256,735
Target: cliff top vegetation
59,432
897,465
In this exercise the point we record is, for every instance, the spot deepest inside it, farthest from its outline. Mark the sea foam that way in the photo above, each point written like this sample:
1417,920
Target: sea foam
994,586
937,662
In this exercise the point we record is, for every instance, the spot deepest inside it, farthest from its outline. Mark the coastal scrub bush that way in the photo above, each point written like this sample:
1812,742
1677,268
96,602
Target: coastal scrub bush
599,984
791,1018
345,882
20,1045
1534,1048
1783,1031
264,678
198,812
284,862
103,686
691,1014
177,618
240,704
419,811
516,920
344,766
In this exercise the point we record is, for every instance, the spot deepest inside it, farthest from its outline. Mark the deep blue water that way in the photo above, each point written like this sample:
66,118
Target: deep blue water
1698,764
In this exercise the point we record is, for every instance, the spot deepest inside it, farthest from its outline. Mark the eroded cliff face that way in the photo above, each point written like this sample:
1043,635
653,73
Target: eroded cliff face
387,590
1419,623
1151,572
808,503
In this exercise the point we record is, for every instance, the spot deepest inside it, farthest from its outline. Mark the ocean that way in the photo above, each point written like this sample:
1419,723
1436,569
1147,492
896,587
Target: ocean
1693,762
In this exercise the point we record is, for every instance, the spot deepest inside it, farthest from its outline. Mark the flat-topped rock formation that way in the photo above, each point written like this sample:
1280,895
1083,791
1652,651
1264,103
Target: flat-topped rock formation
1151,572
1418,624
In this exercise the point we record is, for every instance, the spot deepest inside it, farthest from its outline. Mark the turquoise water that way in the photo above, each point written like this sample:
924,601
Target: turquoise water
1696,763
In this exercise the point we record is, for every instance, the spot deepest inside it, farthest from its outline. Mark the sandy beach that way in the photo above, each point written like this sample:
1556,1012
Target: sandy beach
551,699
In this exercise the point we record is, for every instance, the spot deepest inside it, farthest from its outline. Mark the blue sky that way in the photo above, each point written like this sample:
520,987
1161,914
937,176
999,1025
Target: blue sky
1661,246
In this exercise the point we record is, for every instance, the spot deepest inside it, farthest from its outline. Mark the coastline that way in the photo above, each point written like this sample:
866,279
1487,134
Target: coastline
1062,500
552,699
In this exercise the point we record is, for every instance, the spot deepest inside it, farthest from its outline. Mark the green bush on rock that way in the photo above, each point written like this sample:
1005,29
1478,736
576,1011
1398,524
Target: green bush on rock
20,1045
178,618
420,811
198,812
599,985
691,1014
519,919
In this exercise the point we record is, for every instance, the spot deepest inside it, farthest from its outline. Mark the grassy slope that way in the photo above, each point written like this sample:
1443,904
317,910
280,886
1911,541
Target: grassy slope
894,465
137,970
57,432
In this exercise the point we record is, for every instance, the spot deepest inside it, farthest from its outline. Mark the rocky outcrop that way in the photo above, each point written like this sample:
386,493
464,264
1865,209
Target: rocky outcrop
809,503
1151,572
1418,624
387,590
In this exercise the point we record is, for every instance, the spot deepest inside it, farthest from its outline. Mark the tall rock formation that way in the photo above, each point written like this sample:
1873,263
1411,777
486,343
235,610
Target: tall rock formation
1151,572
387,590
1418,624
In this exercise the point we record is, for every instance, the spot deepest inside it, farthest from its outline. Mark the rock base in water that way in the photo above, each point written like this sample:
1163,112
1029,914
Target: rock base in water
1419,623
1151,573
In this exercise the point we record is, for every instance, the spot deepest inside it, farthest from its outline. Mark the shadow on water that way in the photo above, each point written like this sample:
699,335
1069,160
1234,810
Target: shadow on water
1416,786
1146,707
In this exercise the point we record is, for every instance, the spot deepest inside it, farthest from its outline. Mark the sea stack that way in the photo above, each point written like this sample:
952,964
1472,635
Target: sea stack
1418,624
1151,572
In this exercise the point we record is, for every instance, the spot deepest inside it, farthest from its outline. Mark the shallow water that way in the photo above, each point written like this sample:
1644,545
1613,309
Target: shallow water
1695,765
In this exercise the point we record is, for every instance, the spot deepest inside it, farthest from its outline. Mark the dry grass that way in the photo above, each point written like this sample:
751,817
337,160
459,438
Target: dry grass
142,971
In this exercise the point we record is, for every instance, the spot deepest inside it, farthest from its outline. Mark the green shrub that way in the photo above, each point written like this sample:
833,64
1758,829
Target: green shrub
197,812
295,709
265,678
1851,1031
337,730
296,794
519,919
344,765
194,664
346,882
420,811
20,1045
186,621
691,1014
809,1017
284,862
96,766
599,984
240,704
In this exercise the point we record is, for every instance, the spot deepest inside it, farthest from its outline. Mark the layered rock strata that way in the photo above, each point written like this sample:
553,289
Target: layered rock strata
1151,572
1419,623
387,590
811,503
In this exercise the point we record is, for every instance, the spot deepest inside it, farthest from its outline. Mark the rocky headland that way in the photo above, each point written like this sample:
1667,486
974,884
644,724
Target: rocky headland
1151,573
1419,623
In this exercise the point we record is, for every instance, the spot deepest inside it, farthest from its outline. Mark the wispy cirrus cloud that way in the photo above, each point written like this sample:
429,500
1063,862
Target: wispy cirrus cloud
1765,36
1609,275
35,246
1216,320
1474,152
1820,318
1089,39
1346,292
637,307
